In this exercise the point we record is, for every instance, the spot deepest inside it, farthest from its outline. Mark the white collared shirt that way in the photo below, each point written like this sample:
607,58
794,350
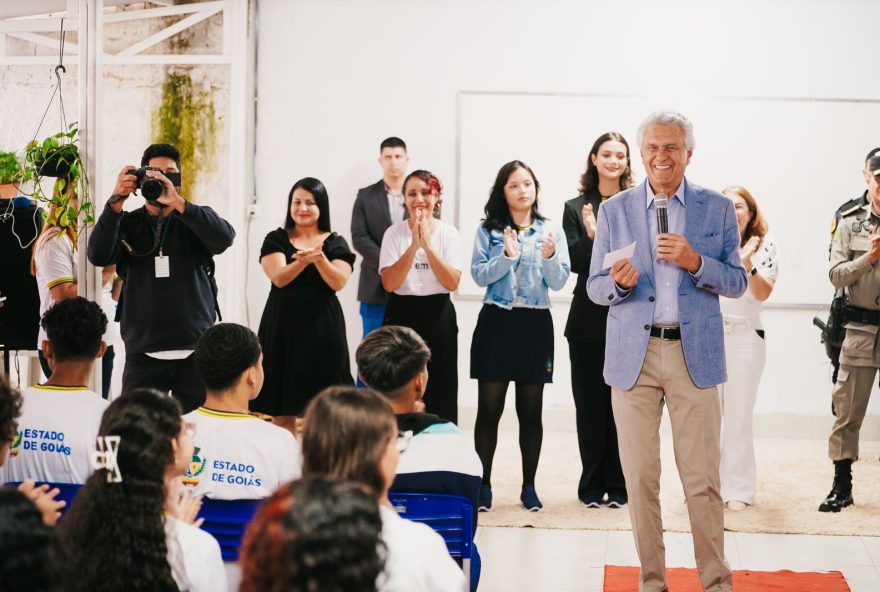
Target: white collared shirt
395,205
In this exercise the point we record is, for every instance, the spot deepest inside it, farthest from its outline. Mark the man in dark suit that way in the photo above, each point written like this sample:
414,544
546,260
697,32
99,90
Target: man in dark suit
376,208
665,341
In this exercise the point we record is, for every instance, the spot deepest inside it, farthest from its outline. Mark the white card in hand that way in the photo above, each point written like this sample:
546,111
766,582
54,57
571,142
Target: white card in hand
163,267
615,256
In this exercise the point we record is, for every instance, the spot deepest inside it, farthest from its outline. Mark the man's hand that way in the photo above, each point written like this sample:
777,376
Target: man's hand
126,184
874,253
676,248
589,220
624,274
44,499
169,198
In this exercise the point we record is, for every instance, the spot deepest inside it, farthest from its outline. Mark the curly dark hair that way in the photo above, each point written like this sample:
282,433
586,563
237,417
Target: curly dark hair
496,209
390,357
345,434
10,410
114,533
590,178
75,327
29,552
223,353
314,534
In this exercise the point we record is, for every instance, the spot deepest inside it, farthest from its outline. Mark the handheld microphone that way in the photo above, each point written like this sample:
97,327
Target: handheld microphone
661,202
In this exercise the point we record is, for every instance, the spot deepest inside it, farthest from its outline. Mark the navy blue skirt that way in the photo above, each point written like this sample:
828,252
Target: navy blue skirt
513,345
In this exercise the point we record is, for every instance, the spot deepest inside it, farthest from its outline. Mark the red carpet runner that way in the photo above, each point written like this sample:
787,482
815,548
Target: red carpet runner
680,579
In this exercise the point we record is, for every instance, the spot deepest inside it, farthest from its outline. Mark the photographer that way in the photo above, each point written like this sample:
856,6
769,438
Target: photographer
164,253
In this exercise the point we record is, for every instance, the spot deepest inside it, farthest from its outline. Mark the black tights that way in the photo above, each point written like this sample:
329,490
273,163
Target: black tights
529,401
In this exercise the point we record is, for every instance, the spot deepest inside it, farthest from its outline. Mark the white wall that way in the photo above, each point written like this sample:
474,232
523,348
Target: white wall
336,77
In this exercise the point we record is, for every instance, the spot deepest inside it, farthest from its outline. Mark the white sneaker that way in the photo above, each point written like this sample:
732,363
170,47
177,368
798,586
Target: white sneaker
736,506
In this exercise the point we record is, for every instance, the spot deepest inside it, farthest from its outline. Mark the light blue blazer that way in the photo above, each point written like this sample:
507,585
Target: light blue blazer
711,229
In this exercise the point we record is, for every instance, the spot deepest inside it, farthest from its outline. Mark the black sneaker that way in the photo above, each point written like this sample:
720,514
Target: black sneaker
593,500
485,501
617,500
529,499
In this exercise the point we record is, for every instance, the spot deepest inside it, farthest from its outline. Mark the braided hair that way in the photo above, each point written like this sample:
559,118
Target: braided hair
223,353
114,533
314,534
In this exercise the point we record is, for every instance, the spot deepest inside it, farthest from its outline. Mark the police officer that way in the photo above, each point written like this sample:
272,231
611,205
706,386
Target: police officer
833,336
855,252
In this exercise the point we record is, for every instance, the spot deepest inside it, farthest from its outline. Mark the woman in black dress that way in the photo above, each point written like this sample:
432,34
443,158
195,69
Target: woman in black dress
608,173
302,330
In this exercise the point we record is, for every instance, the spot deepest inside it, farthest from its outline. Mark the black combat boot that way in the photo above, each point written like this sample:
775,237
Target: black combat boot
841,492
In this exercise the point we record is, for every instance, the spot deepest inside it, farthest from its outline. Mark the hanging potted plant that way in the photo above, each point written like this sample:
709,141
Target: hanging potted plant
58,157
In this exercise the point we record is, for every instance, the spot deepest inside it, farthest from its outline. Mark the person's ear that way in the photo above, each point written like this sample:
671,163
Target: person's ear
102,350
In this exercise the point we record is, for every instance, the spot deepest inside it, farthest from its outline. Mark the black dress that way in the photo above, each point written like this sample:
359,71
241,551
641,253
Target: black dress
302,333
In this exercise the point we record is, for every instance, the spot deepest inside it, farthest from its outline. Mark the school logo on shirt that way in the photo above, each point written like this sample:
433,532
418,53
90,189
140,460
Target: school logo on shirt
196,467
16,444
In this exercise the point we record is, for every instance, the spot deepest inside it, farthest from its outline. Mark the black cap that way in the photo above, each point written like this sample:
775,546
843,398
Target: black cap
874,165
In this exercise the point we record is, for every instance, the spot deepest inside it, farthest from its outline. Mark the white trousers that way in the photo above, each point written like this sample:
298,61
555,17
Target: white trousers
746,353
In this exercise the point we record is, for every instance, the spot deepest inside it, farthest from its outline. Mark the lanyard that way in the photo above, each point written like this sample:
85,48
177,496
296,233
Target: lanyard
164,234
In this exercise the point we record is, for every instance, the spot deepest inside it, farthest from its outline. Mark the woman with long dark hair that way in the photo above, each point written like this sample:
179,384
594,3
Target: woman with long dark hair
351,434
314,534
133,533
608,172
420,263
516,259
302,331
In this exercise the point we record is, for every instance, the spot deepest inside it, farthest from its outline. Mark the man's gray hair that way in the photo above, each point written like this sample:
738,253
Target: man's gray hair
670,118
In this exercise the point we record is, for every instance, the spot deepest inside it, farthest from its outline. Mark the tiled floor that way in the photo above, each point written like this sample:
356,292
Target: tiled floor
538,560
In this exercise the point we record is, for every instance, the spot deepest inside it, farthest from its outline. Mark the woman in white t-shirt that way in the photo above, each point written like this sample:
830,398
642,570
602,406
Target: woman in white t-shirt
127,529
745,351
351,434
420,263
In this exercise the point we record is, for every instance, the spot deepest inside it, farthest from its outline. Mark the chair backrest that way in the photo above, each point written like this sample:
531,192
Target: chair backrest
66,491
226,521
451,516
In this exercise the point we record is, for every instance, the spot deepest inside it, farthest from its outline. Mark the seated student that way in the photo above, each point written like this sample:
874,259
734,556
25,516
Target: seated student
29,553
237,455
393,361
41,497
314,534
127,528
59,420
351,434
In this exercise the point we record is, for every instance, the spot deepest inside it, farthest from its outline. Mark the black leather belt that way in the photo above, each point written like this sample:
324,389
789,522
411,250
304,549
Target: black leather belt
669,333
862,315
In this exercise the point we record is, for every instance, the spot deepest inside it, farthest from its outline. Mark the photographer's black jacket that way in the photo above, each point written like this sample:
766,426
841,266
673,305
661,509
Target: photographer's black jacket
160,314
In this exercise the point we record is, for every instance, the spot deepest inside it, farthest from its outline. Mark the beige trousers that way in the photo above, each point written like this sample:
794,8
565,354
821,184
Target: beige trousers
695,415
859,361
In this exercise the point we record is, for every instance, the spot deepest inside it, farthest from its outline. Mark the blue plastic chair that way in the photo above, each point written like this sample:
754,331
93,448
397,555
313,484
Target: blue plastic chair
226,521
450,516
67,491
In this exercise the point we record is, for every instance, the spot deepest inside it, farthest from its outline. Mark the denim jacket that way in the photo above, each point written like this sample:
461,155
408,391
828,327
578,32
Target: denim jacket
520,282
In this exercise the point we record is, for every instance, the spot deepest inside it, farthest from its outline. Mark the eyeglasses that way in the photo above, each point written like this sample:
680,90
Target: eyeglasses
403,439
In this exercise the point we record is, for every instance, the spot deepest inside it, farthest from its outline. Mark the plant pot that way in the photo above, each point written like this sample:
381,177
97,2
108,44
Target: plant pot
56,163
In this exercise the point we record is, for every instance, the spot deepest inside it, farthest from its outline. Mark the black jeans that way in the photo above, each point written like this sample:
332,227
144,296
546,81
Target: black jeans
106,369
177,376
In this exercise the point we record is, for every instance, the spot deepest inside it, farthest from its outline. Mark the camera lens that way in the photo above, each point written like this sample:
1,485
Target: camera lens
151,189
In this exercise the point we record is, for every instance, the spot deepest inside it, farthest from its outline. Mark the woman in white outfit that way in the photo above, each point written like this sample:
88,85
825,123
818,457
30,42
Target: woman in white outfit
745,350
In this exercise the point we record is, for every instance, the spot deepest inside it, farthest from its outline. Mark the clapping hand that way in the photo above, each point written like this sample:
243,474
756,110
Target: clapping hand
424,223
310,255
44,499
185,507
511,244
748,250
548,246
589,220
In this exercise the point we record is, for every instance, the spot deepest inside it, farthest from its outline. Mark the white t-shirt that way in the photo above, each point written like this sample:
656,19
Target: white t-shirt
55,261
56,435
194,556
747,307
108,305
239,456
421,281
417,558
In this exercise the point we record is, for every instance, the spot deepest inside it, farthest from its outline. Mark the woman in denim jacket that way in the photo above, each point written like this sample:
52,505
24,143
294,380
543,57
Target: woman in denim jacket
517,259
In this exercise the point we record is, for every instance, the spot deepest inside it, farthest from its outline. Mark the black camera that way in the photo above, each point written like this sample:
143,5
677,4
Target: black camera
151,188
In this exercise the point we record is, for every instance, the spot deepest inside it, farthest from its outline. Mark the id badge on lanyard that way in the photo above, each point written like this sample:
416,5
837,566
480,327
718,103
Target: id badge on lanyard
162,261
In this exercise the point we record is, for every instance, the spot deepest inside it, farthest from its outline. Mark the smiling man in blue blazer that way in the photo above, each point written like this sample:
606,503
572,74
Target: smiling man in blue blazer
665,341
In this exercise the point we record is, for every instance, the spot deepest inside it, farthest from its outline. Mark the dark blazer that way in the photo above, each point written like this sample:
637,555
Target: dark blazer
586,319
369,221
